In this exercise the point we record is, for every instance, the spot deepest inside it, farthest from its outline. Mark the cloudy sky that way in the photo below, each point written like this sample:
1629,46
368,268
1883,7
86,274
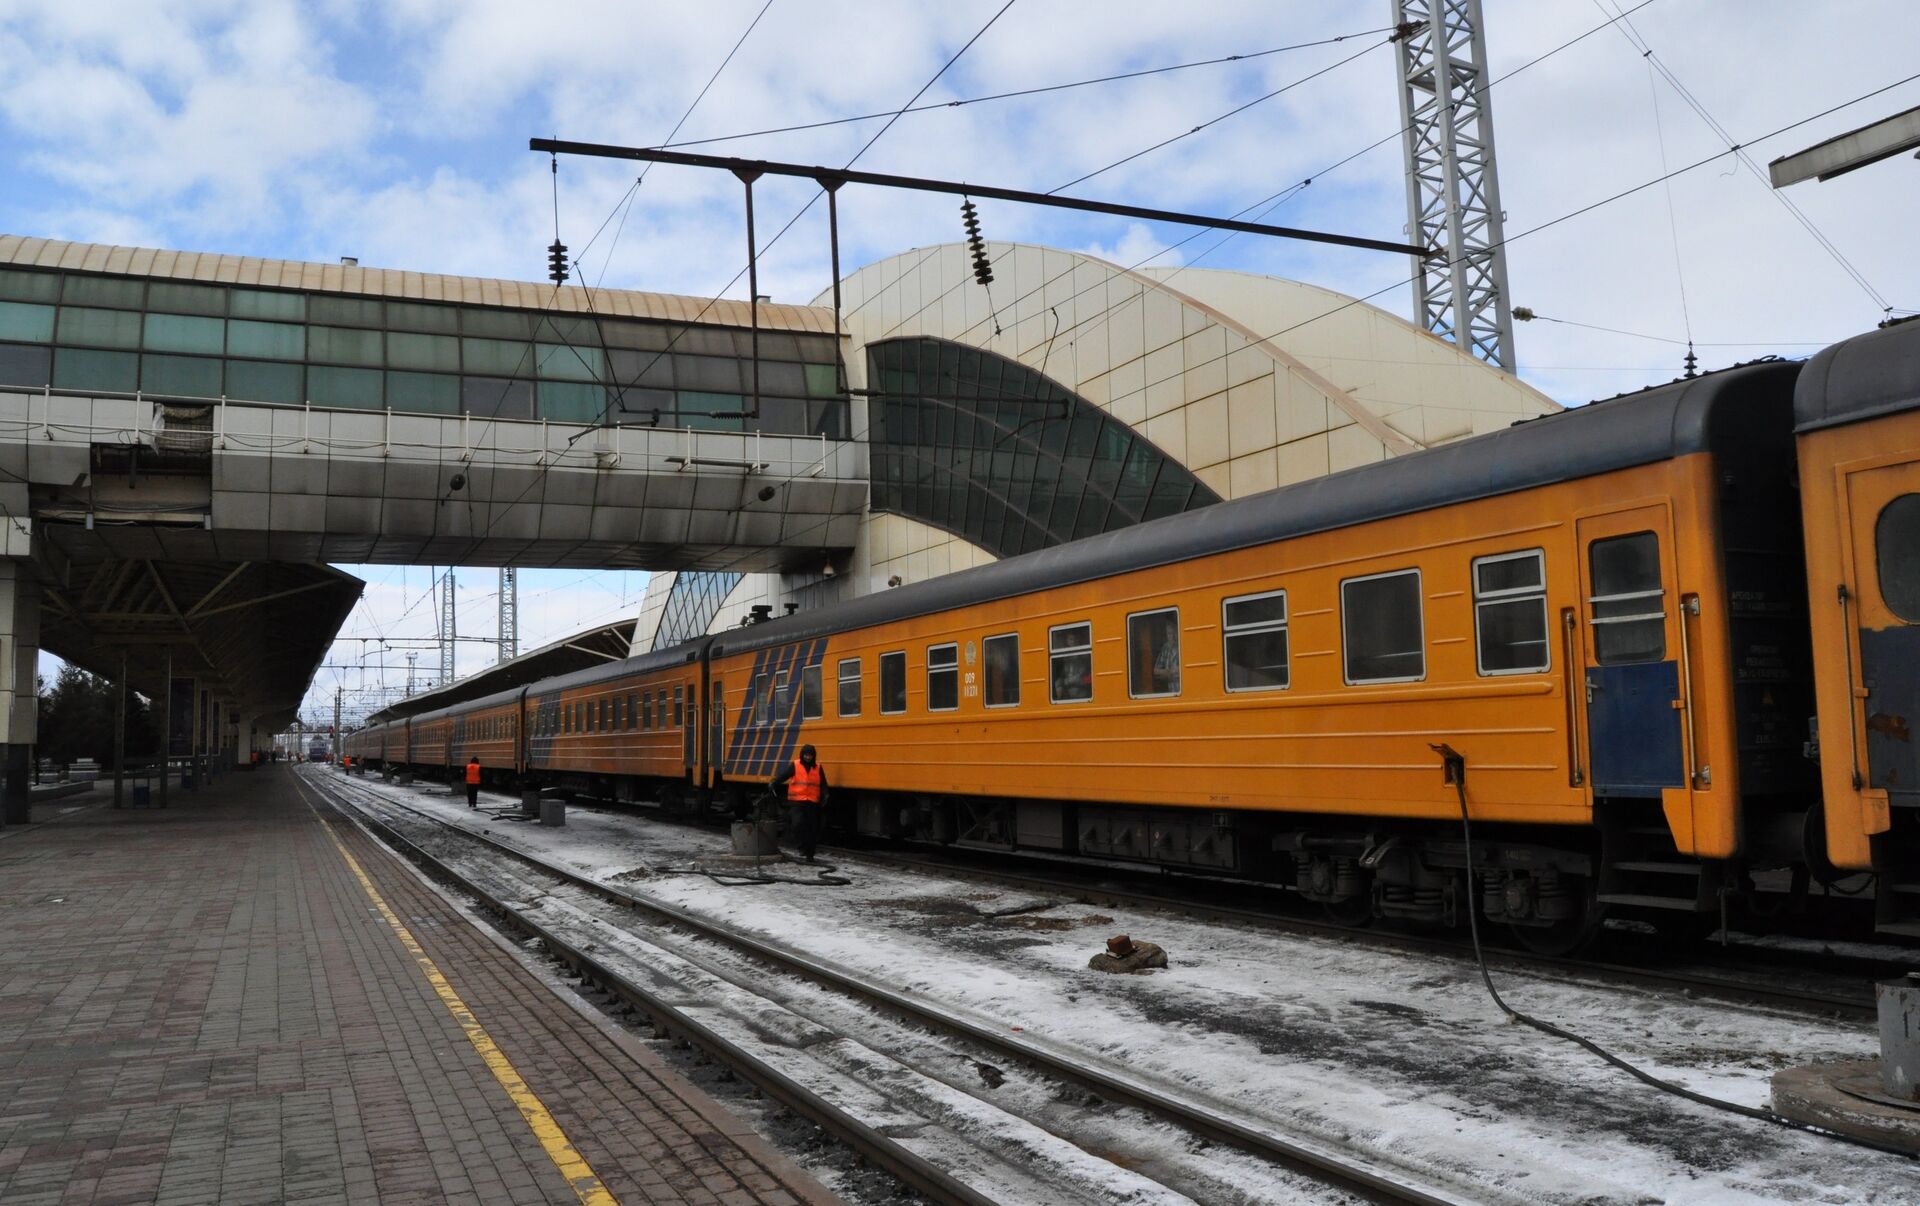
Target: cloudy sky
396,132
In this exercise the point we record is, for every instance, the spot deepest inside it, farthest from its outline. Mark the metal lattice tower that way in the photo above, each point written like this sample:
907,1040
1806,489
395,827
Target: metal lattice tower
509,613
1453,189
448,635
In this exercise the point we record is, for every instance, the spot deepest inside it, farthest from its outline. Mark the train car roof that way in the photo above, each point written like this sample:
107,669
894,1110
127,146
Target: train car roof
1634,429
1874,374
659,659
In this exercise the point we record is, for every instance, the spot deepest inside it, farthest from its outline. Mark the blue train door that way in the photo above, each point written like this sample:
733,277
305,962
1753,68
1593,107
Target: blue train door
1635,709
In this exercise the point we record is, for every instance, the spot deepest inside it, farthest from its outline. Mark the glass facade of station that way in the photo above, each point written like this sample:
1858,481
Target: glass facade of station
988,449
691,604
182,339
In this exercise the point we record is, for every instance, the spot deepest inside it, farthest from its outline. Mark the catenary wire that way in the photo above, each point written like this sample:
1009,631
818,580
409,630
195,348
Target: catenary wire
1550,223
1640,43
1604,201
1020,92
1272,201
1233,112
606,409
634,192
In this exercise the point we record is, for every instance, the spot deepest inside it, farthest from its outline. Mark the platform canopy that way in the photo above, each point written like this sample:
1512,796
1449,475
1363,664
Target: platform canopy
252,632
607,643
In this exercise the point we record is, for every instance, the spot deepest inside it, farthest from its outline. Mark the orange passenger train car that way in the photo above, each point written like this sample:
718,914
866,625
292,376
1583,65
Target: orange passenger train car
1603,610
1857,412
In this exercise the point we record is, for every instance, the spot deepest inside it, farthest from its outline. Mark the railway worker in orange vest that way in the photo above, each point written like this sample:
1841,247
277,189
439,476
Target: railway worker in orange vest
473,781
805,782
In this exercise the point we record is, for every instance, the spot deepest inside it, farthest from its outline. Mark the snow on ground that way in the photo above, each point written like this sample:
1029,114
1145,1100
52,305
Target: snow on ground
1398,1055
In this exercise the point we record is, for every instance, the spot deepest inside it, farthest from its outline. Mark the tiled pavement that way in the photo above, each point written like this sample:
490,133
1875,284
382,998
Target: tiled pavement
203,1005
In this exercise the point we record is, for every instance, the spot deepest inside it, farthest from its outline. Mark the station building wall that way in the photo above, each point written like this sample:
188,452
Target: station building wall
1248,382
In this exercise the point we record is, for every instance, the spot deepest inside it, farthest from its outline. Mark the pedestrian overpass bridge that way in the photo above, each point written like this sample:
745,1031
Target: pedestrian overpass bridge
187,440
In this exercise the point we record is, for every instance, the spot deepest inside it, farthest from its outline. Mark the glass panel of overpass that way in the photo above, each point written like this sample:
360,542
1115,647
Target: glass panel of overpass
120,334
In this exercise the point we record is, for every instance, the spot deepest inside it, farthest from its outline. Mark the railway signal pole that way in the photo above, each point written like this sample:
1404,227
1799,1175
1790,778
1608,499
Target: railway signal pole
1453,187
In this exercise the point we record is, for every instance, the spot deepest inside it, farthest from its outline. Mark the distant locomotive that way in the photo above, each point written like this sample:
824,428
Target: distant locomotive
318,751
1675,634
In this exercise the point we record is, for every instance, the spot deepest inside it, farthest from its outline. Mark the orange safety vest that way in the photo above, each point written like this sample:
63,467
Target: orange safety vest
804,787
473,774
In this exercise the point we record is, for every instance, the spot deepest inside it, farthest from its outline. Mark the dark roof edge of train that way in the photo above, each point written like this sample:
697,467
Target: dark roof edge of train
659,659
1874,374
1634,429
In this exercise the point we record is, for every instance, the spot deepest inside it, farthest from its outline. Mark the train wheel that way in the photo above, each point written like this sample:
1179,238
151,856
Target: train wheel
1569,934
1355,911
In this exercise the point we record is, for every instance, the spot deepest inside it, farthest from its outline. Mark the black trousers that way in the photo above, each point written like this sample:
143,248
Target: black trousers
473,795
806,827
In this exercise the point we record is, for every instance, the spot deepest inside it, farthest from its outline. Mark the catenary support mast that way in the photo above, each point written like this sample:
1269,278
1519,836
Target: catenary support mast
1453,188
447,634
509,613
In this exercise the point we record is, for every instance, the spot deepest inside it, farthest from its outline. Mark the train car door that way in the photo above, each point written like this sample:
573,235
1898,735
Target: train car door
717,710
1634,700
1883,616
684,715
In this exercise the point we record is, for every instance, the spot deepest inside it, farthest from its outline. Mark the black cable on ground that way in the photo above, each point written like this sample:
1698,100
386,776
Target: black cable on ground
1456,770
824,878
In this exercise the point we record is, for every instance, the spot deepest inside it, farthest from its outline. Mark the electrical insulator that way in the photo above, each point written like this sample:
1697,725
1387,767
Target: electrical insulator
557,262
982,266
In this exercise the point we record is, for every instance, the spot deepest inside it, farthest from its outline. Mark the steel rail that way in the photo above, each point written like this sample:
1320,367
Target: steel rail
874,1146
1859,1007
1298,1156
1804,1000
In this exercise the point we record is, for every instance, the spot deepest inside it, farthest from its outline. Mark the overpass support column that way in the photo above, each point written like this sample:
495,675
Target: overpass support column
163,716
19,689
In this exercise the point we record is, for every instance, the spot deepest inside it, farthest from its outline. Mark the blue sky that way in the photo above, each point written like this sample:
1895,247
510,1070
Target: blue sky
396,132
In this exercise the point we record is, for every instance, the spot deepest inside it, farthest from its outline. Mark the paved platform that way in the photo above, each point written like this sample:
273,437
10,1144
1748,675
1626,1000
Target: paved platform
232,1001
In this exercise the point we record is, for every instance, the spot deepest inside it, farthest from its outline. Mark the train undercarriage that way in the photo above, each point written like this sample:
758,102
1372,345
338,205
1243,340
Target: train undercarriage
1549,886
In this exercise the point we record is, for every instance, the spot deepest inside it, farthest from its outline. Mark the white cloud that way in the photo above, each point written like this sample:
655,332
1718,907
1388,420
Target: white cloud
397,132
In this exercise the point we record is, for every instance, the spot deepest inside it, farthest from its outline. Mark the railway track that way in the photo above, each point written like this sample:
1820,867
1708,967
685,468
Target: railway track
1847,994
1317,1169
1076,882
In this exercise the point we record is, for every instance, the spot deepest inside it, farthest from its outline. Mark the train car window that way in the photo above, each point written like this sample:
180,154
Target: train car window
763,700
1896,545
1628,608
810,693
782,697
943,678
850,686
1382,628
1510,613
1070,663
1153,653
893,682
1254,629
646,711
1001,655
633,711
660,708
677,704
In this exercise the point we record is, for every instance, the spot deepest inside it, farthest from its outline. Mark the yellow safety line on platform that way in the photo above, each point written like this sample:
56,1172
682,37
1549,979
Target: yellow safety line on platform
572,1165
